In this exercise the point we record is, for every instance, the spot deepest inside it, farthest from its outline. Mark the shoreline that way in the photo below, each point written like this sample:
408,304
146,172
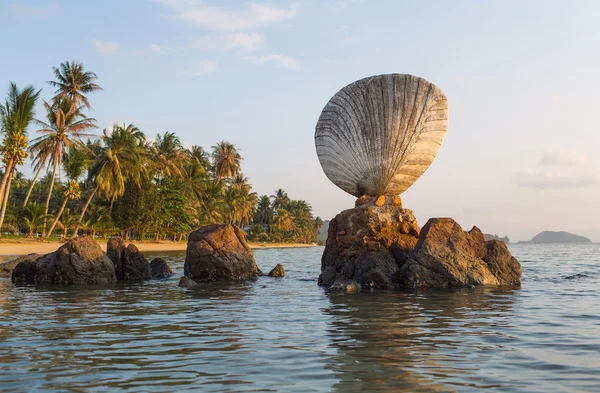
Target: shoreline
10,248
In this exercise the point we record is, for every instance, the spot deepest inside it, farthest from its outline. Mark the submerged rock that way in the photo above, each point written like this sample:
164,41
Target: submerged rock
447,256
79,261
130,264
277,271
367,244
160,268
218,252
187,282
7,268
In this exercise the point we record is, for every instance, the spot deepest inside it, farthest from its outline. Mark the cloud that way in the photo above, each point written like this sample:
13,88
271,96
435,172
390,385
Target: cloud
219,19
563,157
243,41
106,48
29,10
202,68
554,179
279,60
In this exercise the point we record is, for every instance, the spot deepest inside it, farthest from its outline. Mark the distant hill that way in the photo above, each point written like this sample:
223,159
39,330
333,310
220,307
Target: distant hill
505,239
558,237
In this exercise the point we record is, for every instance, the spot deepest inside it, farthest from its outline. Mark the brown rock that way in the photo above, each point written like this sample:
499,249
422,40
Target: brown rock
380,201
115,251
447,256
7,268
25,272
78,261
397,201
130,263
219,252
363,200
160,268
277,271
374,244
187,283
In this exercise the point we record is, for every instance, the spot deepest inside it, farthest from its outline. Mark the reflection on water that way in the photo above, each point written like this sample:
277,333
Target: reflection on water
289,335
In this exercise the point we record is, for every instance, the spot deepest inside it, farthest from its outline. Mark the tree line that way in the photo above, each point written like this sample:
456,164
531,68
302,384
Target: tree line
120,182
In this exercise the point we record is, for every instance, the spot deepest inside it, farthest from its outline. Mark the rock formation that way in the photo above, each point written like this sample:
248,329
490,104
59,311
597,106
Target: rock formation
79,261
219,252
130,263
7,268
188,283
277,271
366,245
160,268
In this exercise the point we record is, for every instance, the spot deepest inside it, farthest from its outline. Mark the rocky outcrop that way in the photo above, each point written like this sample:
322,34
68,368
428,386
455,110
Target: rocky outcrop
367,245
7,268
160,268
447,256
187,283
79,261
277,271
219,252
130,264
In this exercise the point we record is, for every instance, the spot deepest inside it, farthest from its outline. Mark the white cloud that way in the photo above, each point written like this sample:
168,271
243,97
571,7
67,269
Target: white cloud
563,157
553,179
279,60
202,68
243,41
220,19
106,48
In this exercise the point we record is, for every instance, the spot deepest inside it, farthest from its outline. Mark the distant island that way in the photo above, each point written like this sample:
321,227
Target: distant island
505,239
558,237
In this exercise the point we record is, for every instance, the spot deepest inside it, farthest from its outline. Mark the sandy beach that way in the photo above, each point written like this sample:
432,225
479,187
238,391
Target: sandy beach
23,247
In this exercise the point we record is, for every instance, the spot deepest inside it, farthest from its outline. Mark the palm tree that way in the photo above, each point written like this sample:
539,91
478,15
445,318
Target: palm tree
15,116
264,213
67,220
71,192
66,125
280,199
96,219
210,202
170,155
76,162
72,83
198,154
33,217
226,160
38,161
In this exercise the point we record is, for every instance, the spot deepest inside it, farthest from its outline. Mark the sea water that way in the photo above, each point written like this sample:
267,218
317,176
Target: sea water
289,335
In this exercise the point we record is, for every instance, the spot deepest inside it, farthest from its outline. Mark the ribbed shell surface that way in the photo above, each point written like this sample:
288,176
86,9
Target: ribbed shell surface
378,135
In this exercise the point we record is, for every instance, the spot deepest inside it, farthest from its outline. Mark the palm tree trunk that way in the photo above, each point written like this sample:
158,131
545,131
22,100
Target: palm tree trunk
5,179
62,207
32,185
5,200
112,201
48,198
87,204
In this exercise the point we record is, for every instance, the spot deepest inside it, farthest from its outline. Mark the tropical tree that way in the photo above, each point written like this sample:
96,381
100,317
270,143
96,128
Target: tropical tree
264,212
68,221
65,125
38,161
169,154
280,199
226,160
15,116
33,217
73,83
96,219
199,155
71,192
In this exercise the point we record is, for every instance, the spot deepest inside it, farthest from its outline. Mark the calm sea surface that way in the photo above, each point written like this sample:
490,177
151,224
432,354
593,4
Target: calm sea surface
278,335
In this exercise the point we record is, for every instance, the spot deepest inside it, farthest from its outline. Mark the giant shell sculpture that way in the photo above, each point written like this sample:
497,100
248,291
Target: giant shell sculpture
378,135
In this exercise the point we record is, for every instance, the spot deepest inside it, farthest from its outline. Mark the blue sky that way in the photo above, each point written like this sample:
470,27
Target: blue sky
521,77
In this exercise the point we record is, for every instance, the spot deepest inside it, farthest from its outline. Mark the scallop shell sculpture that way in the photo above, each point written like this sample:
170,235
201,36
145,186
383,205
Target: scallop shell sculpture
378,135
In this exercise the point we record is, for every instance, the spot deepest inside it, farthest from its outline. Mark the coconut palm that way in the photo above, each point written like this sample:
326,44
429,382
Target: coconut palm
264,212
96,219
38,161
211,202
226,160
76,162
71,192
68,221
33,217
15,116
283,221
170,155
73,82
66,125
280,199
198,154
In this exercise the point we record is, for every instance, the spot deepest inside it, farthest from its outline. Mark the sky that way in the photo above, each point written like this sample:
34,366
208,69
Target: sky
521,77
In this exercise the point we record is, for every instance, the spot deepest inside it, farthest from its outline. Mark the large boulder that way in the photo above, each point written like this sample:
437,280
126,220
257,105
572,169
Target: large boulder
130,264
25,272
447,256
7,268
79,261
367,245
219,252
160,268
